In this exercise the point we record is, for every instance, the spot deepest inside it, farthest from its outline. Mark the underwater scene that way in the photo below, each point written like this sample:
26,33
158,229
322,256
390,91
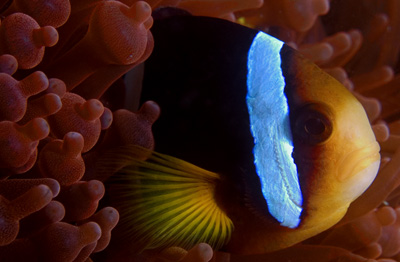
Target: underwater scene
200,130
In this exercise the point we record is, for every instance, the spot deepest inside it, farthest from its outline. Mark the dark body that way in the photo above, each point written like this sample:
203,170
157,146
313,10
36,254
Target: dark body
197,74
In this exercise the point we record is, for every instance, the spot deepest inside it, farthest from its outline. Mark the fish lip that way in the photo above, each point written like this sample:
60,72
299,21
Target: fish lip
358,159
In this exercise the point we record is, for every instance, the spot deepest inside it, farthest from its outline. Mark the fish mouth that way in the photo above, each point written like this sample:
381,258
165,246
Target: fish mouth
358,160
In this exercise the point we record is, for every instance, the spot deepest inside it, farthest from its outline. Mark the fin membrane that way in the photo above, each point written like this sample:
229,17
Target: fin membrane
165,201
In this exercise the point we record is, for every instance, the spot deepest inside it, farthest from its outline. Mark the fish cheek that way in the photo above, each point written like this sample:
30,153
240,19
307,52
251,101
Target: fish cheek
312,128
305,158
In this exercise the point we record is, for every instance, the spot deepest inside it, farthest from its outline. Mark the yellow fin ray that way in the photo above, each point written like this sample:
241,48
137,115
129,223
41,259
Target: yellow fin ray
164,201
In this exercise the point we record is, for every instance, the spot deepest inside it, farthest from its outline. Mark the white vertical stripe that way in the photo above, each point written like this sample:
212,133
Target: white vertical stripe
270,127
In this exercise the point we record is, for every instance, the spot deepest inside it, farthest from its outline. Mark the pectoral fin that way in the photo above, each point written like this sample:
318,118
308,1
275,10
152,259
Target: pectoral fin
165,201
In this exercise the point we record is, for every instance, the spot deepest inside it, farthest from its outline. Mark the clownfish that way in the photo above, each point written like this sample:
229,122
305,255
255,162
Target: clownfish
256,148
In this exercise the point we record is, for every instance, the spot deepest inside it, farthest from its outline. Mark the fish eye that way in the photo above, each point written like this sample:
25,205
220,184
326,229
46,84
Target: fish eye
312,124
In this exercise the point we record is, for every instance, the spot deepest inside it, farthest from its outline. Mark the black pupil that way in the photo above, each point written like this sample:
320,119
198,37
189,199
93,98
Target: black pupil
314,126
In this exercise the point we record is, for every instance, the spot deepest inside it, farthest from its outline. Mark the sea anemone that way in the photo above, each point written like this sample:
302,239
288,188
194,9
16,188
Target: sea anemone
63,103
50,135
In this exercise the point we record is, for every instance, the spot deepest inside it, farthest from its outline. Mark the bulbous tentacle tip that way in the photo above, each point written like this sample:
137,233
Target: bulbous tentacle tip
54,212
201,253
36,129
106,118
107,218
22,37
95,190
372,106
20,151
371,251
73,144
321,7
374,79
9,87
390,238
148,23
304,13
32,201
43,106
51,213
63,242
126,45
379,24
13,211
318,53
81,199
132,128
45,36
330,48
52,103
150,111
57,87
140,11
356,36
172,254
8,64
34,83
54,186
90,110
381,131
390,241
12,188
18,92
28,164
386,215
54,12
10,226
62,159
89,232
78,115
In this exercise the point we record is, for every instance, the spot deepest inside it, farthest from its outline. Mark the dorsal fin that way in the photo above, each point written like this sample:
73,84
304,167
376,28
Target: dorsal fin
165,201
